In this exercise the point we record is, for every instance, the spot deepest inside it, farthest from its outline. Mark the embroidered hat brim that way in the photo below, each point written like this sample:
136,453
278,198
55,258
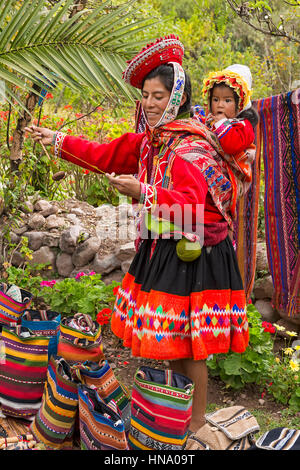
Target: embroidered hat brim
162,51
231,79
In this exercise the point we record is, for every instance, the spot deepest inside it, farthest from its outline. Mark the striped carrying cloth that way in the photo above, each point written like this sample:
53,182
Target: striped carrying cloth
55,421
280,125
13,302
44,323
80,339
161,410
100,424
108,387
22,371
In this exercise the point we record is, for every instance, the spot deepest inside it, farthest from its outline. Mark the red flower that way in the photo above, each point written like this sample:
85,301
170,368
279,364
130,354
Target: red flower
68,106
268,327
49,96
103,316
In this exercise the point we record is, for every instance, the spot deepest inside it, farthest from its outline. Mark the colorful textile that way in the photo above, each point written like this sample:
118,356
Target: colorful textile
100,424
55,421
280,124
161,410
108,387
170,309
162,51
23,371
246,222
43,323
13,302
80,339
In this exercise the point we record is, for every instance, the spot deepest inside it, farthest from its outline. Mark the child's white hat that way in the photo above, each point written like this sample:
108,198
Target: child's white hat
245,73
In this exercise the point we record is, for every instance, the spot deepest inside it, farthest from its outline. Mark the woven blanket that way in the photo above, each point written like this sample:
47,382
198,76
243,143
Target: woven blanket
246,222
280,124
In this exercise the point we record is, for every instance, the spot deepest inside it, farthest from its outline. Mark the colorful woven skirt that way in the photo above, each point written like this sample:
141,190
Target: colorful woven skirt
170,309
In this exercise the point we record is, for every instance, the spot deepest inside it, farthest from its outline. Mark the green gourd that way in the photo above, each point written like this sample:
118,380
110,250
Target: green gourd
187,250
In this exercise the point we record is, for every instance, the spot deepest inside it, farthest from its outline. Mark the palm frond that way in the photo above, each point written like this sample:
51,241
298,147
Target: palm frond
39,46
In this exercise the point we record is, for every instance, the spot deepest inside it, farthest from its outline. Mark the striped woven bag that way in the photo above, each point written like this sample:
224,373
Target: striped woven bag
100,424
23,371
45,323
108,387
13,302
54,424
161,410
76,344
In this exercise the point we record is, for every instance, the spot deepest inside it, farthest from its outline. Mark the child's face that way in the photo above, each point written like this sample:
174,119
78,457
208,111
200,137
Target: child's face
223,102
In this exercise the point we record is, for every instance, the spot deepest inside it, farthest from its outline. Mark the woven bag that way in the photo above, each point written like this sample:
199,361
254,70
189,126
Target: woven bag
13,302
45,323
23,371
278,439
161,410
100,424
231,428
78,345
108,387
55,422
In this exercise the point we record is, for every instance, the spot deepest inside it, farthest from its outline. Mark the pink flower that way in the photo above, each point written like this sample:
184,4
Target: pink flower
79,275
91,273
48,283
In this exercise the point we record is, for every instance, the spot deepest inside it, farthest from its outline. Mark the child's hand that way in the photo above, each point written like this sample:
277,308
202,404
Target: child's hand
217,117
125,184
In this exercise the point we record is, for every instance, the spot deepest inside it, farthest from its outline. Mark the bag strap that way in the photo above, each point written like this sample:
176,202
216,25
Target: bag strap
168,377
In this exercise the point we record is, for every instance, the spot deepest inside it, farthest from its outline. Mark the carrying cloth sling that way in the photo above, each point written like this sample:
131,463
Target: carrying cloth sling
55,422
100,423
45,323
278,439
107,385
13,302
76,344
161,410
23,371
230,428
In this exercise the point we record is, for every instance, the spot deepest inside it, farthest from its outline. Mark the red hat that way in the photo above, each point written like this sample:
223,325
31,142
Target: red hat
162,51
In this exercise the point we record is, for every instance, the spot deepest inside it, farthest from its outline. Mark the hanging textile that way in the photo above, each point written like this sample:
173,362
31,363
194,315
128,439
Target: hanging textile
280,124
246,222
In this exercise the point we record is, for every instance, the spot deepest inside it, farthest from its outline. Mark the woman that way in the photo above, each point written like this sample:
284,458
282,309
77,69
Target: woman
167,308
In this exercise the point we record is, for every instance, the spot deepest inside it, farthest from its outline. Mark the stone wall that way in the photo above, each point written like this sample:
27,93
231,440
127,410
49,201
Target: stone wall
73,236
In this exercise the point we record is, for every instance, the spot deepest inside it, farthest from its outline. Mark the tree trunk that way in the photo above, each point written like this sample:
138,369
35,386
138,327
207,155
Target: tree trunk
18,135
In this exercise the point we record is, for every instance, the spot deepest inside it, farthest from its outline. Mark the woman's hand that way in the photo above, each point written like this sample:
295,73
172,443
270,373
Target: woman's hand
41,134
125,184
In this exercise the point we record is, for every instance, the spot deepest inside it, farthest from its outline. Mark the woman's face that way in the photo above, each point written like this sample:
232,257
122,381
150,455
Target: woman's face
155,98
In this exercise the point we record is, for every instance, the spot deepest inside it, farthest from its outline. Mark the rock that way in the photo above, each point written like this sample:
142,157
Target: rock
14,238
64,264
17,259
36,221
27,207
105,264
289,326
68,239
261,401
115,275
43,255
35,239
52,221
263,288
20,230
125,265
85,252
51,239
52,210
266,310
126,251
106,210
42,205
262,263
